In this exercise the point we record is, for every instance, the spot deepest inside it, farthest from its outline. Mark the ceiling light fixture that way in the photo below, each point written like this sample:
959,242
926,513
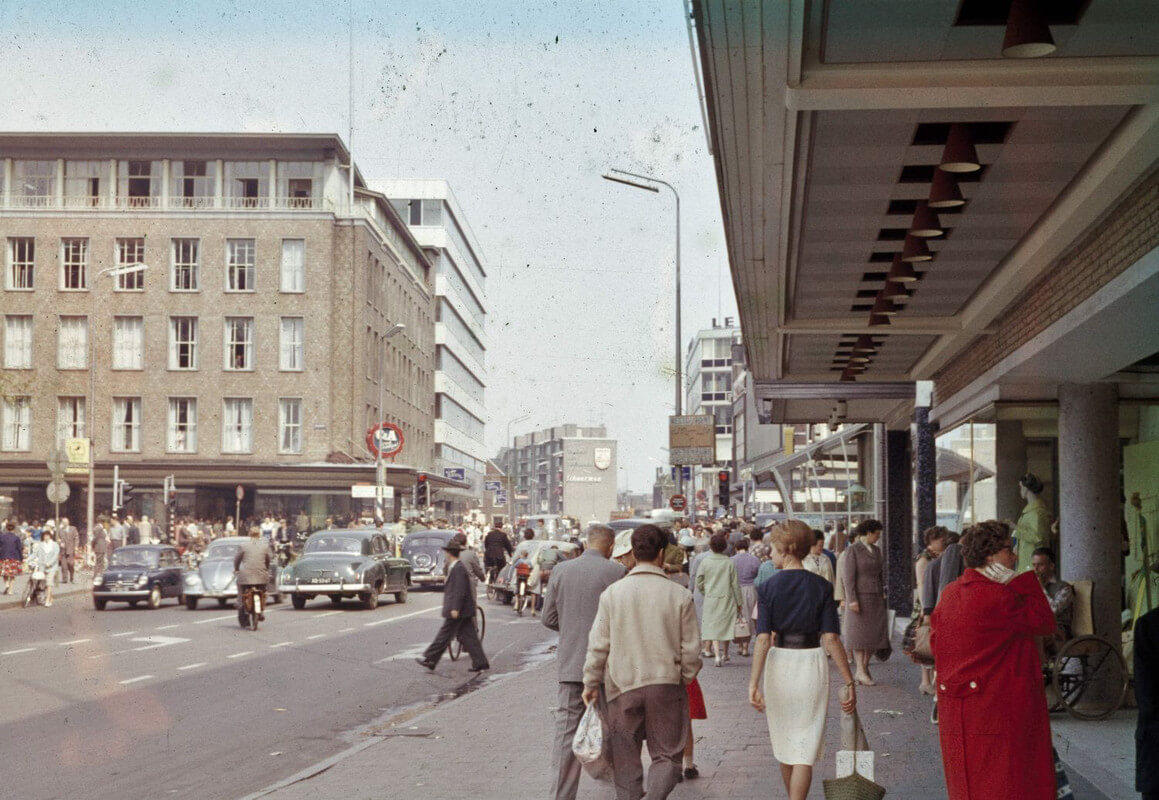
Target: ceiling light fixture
1027,34
915,249
847,376
883,305
925,223
864,344
901,271
859,358
894,291
960,155
944,191
877,320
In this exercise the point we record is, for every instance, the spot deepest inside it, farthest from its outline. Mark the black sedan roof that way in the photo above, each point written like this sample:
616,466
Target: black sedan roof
443,534
358,533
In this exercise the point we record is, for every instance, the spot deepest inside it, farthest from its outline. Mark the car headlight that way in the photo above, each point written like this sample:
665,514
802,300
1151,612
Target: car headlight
142,580
98,580
192,580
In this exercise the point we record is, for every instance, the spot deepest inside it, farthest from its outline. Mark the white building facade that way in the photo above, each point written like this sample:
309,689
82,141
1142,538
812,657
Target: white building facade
709,375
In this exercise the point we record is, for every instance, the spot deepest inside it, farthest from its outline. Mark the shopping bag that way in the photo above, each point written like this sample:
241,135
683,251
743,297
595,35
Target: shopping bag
740,628
590,744
854,779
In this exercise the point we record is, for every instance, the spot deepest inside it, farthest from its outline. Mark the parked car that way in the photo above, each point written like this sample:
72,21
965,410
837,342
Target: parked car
213,579
149,572
503,588
424,551
345,563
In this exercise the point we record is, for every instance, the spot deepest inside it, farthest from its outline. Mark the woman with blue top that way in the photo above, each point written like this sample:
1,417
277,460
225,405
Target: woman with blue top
796,626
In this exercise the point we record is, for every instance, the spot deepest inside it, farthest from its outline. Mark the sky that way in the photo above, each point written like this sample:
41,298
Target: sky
520,106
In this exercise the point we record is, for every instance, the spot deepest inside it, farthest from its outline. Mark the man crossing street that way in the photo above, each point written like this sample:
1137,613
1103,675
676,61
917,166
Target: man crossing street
458,615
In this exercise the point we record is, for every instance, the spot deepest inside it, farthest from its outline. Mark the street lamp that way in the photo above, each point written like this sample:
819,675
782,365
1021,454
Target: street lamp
90,423
622,176
510,470
379,467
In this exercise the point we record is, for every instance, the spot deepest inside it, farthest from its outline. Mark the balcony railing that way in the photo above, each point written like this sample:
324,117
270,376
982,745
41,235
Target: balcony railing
156,202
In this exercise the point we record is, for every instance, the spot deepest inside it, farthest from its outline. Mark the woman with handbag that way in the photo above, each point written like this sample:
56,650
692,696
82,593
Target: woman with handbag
717,580
796,626
747,566
936,539
993,723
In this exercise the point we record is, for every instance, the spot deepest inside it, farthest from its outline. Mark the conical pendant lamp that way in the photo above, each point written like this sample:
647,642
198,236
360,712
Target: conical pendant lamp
915,249
901,271
960,155
1027,34
944,191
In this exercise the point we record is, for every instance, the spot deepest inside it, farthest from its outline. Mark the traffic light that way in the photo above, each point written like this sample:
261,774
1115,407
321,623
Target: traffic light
422,492
126,493
722,479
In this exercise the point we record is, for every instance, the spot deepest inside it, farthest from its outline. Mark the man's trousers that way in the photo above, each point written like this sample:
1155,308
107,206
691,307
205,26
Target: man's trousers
660,714
468,636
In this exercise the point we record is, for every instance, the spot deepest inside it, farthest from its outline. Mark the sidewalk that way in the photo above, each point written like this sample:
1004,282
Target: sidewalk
83,583
495,742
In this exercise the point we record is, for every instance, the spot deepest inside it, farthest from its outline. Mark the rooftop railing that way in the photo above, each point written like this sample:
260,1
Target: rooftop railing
158,203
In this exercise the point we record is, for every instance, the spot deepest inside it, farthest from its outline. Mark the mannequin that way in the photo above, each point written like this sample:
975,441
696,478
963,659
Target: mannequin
1033,529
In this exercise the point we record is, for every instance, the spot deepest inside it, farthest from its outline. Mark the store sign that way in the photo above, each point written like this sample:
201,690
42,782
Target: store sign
493,486
602,456
692,439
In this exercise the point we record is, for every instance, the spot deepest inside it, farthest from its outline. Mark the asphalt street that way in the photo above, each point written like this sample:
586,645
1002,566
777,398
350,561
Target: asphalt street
139,703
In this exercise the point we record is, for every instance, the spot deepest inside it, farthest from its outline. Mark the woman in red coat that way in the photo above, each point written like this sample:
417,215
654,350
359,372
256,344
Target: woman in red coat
992,712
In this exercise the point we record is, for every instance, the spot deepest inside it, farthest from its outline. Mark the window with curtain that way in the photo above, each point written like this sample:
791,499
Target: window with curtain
247,184
193,184
237,417
126,425
183,343
21,263
239,343
72,343
82,182
70,419
18,341
186,265
292,344
181,434
240,258
293,265
130,253
290,425
74,264
128,343
33,182
16,422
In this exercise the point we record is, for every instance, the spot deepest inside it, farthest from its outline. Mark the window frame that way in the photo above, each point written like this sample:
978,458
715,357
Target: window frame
193,268
22,404
66,265
175,344
60,340
228,345
77,426
248,270
27,267
133,425
284,425
297,271
119,347
171,430
290,346
245,427
27,343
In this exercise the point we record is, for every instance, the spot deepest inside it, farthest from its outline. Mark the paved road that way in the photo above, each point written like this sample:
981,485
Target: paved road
138,703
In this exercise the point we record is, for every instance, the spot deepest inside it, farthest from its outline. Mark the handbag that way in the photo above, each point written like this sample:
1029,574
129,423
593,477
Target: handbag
915,643
854,786
590,744
740,628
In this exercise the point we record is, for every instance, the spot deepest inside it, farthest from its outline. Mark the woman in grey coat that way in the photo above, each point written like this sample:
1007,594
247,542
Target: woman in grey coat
864,626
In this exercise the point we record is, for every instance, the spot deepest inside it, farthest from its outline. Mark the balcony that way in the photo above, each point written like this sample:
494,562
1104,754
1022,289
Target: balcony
159,203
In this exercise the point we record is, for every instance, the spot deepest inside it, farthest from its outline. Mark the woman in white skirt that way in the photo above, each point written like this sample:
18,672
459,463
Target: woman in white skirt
796,626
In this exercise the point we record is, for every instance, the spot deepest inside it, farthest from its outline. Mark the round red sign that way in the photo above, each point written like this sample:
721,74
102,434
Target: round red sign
678,502
385,437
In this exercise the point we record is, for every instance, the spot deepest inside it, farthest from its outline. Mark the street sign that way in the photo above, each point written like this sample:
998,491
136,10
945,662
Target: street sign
239,492
501,498
57,461
386,439
368,491
77,451
492,486
678,502
58,491
691,439
455,473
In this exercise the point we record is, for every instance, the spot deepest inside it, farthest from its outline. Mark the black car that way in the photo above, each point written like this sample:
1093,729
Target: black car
345,563
149,572
424,551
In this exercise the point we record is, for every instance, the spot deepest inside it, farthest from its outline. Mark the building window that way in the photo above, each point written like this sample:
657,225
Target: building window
193,184
128,343
293,265
182,427
126,425
72,343
293,341
17,423
290,425
70,419
139,184
74,264
18,341
183,343
239,260
130,253
239,343
247,184
237,418
34,183
21,262
296,183
82,183
186,268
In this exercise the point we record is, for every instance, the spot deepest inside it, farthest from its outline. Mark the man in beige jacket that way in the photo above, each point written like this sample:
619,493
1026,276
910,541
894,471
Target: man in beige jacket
644,648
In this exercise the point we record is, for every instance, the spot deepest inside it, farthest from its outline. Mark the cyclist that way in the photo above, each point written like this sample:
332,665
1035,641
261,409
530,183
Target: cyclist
252,567
496,548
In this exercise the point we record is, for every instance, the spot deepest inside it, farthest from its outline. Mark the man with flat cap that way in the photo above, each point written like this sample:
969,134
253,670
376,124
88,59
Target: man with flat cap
458,615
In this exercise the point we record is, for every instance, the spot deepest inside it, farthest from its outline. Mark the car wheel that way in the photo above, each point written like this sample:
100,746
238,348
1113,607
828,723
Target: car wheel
99,603
222,602
133,603
369,599
298,600
191,603
336,599
400,597
155,596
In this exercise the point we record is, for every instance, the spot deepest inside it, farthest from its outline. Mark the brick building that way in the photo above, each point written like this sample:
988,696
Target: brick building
248,351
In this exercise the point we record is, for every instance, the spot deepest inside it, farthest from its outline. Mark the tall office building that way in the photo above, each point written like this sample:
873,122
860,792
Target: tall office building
708,375
567,469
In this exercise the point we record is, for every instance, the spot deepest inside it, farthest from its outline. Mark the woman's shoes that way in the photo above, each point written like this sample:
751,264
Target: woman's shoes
691,772
744,651
706,654
725,658
926,688
864,680
717,662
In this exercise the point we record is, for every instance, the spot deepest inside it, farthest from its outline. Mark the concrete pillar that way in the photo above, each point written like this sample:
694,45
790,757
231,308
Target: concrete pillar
899,532
1010,459
1089,511
925,460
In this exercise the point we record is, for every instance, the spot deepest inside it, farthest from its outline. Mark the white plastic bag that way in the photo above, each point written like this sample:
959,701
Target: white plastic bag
590,744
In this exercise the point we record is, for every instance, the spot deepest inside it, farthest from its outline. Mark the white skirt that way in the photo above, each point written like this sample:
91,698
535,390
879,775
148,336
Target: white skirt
796,702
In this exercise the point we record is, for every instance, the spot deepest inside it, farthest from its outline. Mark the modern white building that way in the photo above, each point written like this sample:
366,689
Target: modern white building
708,371
437,222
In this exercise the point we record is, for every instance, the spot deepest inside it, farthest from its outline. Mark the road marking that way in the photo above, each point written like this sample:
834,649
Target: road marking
316,636
167,627
396,619
153,642
328,614
281,644
213,619
191,666
74,641
126,633
242,653
15,652
134,680
345,630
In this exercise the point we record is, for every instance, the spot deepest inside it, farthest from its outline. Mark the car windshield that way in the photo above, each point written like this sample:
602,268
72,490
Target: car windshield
129,557
221,552
426,541
334,544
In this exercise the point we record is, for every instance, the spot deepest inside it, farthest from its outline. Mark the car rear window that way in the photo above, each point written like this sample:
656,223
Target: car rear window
427,541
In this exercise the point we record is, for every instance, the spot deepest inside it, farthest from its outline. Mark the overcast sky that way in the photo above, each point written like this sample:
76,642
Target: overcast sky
519,105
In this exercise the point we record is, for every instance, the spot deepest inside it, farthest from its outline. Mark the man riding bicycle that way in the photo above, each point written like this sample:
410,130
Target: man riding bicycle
252,567
496,548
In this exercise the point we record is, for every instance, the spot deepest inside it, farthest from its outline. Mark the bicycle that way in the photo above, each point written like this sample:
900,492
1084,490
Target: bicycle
250,606
480,622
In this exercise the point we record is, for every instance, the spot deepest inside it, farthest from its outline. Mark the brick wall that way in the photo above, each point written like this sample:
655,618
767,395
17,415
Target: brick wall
1114,243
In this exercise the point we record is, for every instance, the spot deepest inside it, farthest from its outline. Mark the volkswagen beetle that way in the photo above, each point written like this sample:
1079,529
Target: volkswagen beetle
214,579
424,551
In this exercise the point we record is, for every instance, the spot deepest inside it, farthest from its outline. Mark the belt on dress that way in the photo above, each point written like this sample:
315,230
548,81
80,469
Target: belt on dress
797,641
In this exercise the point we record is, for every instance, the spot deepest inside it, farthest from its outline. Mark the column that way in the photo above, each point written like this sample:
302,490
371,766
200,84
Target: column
1089,510
899,538
925,458
1010,460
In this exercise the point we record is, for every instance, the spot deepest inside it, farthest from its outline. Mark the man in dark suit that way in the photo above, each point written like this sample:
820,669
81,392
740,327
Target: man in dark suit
1147,696
573,597
458,615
